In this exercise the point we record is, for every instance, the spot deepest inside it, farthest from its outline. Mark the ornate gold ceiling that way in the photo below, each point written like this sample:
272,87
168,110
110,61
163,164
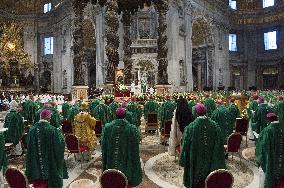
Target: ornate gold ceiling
25,6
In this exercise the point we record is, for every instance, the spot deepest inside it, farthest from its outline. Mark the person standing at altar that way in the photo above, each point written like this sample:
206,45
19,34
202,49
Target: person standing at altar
270,152
15,124
120,148
45,153
202,149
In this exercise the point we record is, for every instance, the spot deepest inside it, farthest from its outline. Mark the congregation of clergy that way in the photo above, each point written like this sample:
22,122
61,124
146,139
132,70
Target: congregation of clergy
201,124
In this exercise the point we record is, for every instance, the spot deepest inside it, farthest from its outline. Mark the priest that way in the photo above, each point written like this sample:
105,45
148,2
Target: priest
222,117
135,110
260,120
151,106
233,113
65,109
166,111
113,107
15,124
120,148
102,112
202,149
270,152
210,105
45,153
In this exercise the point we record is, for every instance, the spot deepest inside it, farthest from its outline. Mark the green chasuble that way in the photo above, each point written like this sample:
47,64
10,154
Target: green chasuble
260,120
55,117
93,104
270,153
3,159
14,123
65,109
280,111
45,155
191,105
29,111
210,105
202,151
102,112
166,112
136,112
233,114
221,116
252,106
74,110
113,106
120,149
151,106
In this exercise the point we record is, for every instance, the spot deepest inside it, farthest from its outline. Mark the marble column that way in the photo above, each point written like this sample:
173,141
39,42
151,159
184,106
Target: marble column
126,20
112,25
188,45
173,45
99,48
78,43
162,7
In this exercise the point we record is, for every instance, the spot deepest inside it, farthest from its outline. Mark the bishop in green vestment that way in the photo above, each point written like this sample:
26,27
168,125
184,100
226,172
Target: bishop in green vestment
102,112
210,105
166,111
113,106
202,149
65,109
29,111
136,112
221,116
45,153
151,106
55,118
270,151
120,148
74,110
233,114
260,120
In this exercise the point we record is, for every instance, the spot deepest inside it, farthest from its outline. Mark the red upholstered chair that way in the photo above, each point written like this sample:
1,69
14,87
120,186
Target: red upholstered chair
152,123
98,128
67,127
279,183
219,179
242,127
74,147
113,178
233,144
16,179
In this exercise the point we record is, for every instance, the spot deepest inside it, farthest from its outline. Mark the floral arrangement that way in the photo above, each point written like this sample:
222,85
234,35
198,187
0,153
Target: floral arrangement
122,88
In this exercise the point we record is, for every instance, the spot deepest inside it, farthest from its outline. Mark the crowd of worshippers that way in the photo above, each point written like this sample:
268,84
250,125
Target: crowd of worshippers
200,123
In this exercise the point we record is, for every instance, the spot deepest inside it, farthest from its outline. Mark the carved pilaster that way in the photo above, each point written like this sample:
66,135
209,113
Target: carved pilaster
162,7
78,7
126,20
112,25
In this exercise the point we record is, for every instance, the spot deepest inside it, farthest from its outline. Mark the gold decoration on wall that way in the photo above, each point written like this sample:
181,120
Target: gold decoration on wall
12,45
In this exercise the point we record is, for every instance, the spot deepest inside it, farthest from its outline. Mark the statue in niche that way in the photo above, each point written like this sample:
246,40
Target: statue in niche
64,74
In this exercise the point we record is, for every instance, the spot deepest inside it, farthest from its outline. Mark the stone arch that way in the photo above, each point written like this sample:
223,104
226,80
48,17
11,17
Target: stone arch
202,51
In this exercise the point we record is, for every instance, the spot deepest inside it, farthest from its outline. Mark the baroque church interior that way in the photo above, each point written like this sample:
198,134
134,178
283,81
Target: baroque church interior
130,51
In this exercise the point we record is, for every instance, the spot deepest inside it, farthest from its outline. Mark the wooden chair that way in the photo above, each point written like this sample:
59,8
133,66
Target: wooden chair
113,178
279,183
74,147
67,127
166,130
233,144
16,179
242,128
219,179
98,128
152,123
